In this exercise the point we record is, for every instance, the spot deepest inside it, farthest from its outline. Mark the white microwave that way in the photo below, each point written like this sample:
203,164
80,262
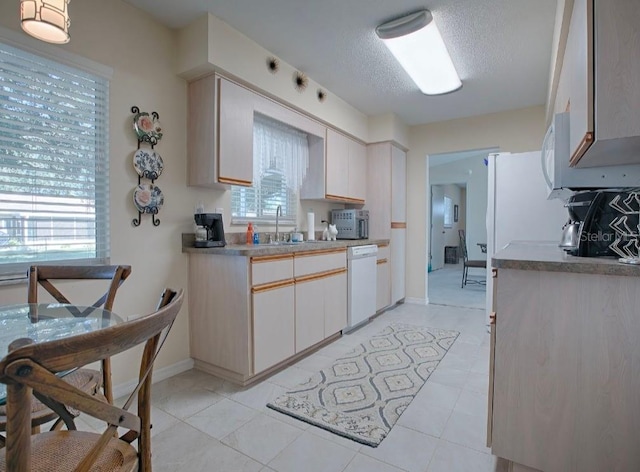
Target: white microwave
563,180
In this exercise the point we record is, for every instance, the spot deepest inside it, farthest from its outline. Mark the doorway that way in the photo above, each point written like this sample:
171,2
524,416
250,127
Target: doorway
457,202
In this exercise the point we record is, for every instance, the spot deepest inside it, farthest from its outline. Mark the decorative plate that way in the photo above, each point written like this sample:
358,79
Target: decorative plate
147,127
148,198
148,163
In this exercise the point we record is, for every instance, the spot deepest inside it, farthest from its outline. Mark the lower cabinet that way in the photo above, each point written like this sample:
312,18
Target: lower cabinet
564,376
321,308
273,326
321,296
335,303
398,263
309,313
250,314
383,279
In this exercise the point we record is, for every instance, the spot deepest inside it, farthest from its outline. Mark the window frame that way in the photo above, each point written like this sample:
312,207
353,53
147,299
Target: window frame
448,212
17,271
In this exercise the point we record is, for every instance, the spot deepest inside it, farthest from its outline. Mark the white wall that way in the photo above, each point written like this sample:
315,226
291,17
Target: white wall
142,55
515,131
232,52
473,172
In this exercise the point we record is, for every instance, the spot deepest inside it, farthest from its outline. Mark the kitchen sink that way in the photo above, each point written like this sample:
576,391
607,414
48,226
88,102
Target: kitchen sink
280,243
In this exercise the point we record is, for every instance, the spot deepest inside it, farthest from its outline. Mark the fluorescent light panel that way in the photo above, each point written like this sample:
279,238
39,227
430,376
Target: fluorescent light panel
416,43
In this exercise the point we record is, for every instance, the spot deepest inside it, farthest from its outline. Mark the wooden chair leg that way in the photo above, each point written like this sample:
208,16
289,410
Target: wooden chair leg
106,380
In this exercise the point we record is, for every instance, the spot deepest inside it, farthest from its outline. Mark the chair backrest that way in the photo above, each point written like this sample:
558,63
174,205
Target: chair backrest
463,245
43,275
35,365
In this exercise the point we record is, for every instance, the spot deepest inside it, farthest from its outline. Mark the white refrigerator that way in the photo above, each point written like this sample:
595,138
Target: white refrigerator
517,206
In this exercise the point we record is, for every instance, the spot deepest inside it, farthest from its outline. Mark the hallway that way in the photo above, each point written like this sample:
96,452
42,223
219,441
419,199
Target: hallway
444,287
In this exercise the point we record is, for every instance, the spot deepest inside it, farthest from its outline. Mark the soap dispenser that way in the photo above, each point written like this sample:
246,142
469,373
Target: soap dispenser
250,233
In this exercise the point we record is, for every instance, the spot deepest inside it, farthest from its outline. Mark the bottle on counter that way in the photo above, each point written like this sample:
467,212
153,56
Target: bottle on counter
256,235
250,233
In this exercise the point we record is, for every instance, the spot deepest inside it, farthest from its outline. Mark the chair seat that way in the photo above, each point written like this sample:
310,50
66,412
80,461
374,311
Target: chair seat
479,263
63,451
87,380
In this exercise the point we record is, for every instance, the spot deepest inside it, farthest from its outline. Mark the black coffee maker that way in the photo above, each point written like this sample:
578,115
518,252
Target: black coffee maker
212,222
608,223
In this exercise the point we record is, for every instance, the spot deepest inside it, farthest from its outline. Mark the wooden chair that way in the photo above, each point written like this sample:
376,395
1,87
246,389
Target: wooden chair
31,366
479,264
88,380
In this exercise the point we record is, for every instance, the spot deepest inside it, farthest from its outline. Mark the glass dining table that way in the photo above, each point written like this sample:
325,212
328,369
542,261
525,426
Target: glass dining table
48,322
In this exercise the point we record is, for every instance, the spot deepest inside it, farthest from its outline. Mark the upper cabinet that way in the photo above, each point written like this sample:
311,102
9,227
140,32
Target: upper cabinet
386,173
601,60
342,174
220,131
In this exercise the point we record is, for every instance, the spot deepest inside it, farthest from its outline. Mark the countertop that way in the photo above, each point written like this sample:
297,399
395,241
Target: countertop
523,255
269,249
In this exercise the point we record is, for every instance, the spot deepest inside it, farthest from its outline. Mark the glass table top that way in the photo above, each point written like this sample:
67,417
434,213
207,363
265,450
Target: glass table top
49,322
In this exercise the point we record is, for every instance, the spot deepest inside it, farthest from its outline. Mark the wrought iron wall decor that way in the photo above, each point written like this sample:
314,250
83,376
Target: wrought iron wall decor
147,197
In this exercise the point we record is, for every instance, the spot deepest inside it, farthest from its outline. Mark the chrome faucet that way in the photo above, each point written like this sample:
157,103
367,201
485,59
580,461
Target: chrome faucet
278,214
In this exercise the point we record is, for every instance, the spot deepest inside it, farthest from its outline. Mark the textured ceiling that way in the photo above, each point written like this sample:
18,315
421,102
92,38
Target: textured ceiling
501,48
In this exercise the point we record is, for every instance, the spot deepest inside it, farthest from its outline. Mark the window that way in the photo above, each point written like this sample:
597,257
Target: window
280,162
54,165
448,212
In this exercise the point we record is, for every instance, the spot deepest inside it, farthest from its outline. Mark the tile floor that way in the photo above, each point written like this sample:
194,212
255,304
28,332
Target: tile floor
201,423
444,287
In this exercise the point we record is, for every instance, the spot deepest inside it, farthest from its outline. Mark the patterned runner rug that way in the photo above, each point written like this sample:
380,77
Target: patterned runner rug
362,395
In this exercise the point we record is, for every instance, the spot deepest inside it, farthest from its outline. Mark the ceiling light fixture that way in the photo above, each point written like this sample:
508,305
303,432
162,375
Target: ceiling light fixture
47,20
416,43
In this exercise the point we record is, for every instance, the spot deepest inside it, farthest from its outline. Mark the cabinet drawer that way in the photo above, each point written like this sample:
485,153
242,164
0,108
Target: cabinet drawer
265,269
319,261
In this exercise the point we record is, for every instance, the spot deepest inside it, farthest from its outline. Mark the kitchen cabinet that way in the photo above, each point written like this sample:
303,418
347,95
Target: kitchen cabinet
219,120
601,57
321,296
273,325
398,263
564,381
386,172
341,175
250,315
220,131
383,291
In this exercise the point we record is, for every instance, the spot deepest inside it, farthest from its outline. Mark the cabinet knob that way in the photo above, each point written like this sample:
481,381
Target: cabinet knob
492,318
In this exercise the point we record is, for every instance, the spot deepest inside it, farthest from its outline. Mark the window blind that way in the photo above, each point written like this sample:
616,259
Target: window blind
54,166
280,163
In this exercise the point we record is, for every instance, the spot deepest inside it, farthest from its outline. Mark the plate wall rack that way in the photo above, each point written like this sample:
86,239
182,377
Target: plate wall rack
147,197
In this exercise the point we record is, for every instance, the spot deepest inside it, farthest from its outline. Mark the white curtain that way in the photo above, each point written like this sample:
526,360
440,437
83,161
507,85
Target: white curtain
279,148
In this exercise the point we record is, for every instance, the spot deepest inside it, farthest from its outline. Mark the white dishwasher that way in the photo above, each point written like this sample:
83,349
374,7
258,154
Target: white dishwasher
361,291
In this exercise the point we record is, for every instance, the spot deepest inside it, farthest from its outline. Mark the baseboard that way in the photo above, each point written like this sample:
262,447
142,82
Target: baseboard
158,375
417,301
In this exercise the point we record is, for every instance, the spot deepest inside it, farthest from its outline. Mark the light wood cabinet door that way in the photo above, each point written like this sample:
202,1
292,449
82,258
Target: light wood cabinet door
603,45
398,263
337,163
383,293
235,140
379,198
273,326
580,49
398,185
357,171
202,123
335,306
310,310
